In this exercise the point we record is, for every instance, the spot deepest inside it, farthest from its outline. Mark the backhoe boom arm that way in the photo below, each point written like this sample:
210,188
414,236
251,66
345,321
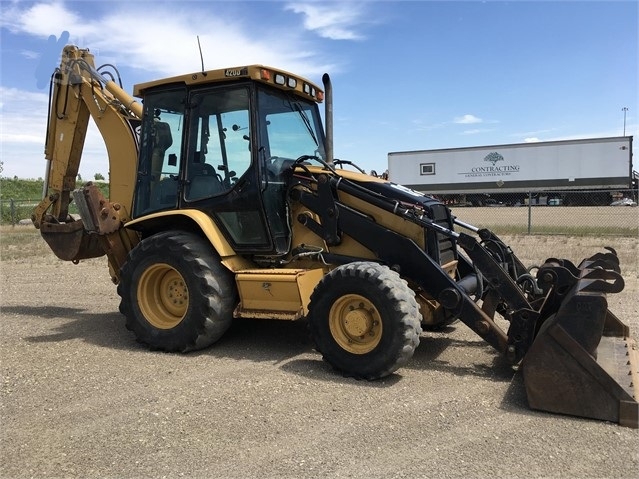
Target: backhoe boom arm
79,93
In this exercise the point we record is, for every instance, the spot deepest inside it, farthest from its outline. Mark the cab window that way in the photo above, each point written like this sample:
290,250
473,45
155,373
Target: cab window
160,151
218,150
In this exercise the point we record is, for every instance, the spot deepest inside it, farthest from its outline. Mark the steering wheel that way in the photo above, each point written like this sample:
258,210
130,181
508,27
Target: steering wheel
304,158
347,162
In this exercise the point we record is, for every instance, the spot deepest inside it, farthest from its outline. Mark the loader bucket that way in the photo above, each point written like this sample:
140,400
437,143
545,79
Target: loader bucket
583,362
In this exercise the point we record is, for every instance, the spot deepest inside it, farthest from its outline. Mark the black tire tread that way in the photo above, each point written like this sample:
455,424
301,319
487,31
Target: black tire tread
391,289
214,284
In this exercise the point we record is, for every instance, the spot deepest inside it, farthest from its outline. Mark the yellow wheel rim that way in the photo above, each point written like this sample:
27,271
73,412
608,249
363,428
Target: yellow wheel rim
355,324
163,296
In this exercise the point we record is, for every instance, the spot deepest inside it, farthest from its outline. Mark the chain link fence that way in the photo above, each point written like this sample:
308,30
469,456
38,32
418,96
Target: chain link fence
583,212
593,213
18,212
13,212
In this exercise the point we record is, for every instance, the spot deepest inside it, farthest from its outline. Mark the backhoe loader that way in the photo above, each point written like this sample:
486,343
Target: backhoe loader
226,202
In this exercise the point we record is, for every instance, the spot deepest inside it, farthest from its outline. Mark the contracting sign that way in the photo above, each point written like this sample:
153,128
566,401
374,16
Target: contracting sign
493,169
595,163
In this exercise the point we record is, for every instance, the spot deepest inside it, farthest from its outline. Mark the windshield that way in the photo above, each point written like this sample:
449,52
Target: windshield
292,126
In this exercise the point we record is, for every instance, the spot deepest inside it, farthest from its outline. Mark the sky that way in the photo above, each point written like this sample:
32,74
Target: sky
407,75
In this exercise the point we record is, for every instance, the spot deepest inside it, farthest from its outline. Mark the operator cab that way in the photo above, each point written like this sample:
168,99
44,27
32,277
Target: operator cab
223,147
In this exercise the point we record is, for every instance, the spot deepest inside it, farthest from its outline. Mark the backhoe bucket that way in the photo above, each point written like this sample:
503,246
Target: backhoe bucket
70,242
583,362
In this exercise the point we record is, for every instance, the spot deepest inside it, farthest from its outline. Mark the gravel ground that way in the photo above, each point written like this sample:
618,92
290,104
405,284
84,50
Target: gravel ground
80,398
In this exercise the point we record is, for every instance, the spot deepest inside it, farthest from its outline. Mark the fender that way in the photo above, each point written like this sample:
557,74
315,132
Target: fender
192,219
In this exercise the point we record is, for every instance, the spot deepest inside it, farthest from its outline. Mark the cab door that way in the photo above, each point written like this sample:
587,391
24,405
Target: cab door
221,174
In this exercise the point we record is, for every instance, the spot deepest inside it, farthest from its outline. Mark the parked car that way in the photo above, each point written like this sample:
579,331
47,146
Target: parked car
624,202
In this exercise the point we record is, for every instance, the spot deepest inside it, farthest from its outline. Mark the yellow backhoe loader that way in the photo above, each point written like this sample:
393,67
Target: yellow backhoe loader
226,202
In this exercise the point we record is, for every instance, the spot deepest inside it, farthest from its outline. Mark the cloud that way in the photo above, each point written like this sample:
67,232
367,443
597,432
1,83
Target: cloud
476,131
531,140
18,112
336,21
532,133
467,120
150,42
23,126
30,54
39,18
162,40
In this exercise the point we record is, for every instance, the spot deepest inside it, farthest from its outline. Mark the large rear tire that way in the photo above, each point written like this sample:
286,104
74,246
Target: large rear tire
175,293
364,320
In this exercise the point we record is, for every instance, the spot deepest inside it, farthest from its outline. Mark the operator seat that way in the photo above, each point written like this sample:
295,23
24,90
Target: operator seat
204,182
163,190
162,141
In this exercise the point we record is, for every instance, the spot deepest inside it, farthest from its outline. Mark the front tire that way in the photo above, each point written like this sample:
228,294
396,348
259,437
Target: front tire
175,293
364,320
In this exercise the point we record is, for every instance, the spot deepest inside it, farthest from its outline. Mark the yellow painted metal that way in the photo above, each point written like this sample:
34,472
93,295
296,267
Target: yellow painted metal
276,293
355,324
76,97
163,296
122,150
431,310
385,218
304,236
253,72
123,97
160,220
451,268
348,246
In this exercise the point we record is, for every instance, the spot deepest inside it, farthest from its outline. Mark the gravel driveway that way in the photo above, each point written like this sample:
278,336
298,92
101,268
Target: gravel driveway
80,398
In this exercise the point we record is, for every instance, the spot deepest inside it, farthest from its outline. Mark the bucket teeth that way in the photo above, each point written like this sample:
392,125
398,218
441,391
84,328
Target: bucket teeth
582,361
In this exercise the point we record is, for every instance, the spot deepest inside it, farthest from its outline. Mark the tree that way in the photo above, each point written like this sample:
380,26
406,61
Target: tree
98,176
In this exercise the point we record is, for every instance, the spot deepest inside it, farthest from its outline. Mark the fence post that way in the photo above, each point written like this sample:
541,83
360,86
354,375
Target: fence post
529,211
12,209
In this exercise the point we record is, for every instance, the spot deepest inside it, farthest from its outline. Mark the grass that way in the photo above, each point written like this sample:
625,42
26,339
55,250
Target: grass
30,190
19,197
22,243
20,190
532,249
566,230
568,220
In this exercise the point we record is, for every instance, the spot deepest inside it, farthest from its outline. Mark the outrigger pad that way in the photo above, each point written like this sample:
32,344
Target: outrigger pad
583,363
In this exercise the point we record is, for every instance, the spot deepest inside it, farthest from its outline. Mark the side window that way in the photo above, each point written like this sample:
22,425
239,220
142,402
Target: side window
167,142
236,128
218,151
160,149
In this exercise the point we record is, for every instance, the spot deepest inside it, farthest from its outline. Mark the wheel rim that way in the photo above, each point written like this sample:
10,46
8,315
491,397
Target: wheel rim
355,324
163,296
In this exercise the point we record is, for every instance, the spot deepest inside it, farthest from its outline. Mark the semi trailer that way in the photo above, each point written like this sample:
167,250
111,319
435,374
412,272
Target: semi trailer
585,171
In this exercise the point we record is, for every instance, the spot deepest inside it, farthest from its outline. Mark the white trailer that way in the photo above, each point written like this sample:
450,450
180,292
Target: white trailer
594,163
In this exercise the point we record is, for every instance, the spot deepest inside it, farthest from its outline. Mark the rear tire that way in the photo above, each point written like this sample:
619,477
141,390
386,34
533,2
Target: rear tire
364,320
175,293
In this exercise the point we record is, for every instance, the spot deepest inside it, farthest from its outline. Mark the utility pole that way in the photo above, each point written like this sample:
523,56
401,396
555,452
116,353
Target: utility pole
624,109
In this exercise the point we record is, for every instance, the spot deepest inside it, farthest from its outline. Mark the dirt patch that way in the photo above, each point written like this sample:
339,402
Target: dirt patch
80,398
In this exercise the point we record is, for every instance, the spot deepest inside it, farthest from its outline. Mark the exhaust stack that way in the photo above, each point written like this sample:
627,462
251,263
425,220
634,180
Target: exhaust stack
328,113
